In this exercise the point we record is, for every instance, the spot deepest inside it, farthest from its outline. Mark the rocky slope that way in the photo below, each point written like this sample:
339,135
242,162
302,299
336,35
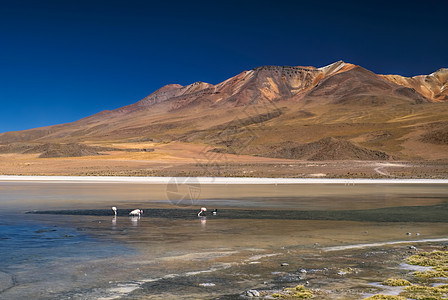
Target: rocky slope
433,86
326,149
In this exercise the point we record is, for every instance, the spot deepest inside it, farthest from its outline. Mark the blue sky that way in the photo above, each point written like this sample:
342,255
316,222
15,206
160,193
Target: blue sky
63,60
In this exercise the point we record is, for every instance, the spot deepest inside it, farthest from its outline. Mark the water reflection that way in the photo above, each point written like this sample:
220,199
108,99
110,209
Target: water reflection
134,220
203,222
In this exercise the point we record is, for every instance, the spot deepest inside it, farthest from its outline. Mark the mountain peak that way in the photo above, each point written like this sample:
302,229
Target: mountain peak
198,85
335,64
441,70
442,75
336,67
432,86
283,68
169,87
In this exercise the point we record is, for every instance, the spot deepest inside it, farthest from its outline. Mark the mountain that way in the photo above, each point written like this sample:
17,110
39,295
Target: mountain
433,86
342,111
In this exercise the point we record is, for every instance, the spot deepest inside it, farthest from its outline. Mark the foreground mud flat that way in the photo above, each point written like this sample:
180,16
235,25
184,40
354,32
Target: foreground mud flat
319,274
153,265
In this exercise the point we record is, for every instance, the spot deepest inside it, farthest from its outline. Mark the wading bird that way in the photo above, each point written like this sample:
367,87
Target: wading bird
136,212
203,211
115,210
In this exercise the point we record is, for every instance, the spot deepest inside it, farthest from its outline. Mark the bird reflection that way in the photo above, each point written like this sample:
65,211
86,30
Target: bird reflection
203,222
134,220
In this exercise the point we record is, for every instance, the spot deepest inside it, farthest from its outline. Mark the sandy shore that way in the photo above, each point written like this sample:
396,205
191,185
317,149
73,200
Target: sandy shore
217,180
372,245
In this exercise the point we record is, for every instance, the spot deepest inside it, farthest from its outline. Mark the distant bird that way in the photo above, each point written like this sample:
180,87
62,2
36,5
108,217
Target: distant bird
115,210
215,212
203,212
136,212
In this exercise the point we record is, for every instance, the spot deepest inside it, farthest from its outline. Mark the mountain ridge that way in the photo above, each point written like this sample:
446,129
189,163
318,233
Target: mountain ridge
170,91
298,104
433,86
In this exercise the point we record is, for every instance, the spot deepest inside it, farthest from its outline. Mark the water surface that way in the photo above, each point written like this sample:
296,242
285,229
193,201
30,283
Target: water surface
78,249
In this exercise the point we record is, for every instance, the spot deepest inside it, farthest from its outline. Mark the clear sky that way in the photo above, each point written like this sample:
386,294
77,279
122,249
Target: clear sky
62,60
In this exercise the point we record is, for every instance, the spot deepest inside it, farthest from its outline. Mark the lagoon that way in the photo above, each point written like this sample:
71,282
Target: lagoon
60,240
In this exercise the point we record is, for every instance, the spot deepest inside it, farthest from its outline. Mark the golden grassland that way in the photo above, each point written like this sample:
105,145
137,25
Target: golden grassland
189,159
422,290
416,288
298,292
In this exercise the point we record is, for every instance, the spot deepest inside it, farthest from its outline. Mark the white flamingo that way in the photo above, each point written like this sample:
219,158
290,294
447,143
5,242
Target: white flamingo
115,210
136,212
202,212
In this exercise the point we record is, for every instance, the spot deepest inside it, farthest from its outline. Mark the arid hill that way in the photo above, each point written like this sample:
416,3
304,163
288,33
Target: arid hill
341,111
433,86
48,150
326,149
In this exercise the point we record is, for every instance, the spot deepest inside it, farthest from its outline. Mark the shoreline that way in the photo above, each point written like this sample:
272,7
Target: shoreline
381,244
214,180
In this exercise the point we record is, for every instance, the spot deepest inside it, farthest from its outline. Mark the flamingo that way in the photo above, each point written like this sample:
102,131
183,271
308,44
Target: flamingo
202,212
136,212
115,210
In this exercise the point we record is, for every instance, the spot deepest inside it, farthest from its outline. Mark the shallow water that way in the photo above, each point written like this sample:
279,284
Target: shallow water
78,249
